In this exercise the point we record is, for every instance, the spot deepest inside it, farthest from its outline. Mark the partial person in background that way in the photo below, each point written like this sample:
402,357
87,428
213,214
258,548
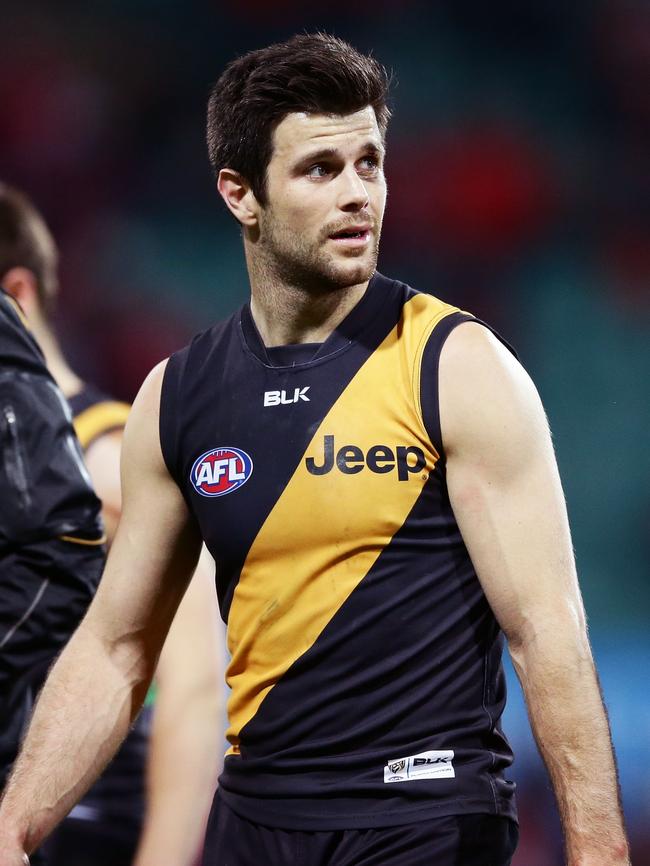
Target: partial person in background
51,534
117,818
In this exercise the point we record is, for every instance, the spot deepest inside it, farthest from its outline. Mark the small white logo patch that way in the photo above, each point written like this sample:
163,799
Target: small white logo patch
427,765
284,398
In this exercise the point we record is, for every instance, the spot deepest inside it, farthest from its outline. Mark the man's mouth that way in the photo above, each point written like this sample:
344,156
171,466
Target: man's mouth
352,235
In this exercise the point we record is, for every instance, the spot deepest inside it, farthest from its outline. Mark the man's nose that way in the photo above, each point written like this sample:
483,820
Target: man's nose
353,195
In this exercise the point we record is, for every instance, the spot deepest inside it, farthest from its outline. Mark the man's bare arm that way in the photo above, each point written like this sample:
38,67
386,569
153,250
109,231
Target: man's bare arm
98,684
184,759
182,756
506,494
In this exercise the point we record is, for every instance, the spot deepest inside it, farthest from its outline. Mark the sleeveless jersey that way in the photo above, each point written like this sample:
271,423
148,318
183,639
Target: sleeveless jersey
120,790
365,670
47,492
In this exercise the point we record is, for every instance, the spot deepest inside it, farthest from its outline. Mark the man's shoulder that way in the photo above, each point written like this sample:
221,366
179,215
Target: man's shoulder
424,299
188,368
206,341
444,317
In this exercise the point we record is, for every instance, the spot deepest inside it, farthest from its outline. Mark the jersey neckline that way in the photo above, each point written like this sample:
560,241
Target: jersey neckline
357,320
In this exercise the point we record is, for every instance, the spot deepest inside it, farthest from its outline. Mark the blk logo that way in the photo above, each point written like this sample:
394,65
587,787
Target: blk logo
283,398
427,762
221,471
435,764
350,459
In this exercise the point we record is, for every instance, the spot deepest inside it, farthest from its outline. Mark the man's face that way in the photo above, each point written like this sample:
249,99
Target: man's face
326,194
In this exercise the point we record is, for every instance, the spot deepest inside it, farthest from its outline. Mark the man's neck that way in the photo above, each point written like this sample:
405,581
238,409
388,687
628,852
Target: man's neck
285,314
68,381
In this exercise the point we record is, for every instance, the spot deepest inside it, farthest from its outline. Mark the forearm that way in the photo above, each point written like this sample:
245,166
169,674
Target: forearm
184,761
570,725
82,715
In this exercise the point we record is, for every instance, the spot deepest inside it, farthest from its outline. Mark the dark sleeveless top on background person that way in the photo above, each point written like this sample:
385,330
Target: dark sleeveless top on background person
366,676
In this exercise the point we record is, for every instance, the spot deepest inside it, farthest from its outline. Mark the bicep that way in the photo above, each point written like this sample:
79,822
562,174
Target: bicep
504,486
157,544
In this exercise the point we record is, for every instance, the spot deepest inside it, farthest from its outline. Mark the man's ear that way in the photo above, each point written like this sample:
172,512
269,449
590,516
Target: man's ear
238,196
21,284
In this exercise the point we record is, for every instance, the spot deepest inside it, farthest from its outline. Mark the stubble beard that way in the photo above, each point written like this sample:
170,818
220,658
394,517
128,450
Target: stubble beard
305,265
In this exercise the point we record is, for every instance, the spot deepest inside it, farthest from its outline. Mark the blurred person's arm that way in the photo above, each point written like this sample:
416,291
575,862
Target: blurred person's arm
184,757
507,498
98,684
102,458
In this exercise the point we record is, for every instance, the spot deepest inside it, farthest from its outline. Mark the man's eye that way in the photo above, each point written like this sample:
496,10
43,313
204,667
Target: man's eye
317,170
369,163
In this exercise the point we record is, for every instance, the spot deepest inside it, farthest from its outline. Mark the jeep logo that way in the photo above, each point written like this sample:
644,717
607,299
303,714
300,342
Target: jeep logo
350,459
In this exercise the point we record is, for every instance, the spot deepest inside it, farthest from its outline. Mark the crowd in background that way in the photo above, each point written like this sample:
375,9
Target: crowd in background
519,188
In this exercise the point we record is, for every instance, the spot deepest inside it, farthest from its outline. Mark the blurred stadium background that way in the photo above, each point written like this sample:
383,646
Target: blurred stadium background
519,172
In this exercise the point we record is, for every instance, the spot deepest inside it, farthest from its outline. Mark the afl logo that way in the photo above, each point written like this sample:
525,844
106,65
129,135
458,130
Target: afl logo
221,471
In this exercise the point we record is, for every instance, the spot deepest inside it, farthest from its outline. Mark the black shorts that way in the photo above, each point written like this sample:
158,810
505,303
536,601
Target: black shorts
106,841
454,840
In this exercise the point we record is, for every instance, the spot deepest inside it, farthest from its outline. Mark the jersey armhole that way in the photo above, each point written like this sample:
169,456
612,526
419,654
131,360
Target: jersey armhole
168,415
430,370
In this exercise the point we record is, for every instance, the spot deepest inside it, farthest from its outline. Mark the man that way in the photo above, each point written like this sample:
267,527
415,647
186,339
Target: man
372,471
107,825
51,535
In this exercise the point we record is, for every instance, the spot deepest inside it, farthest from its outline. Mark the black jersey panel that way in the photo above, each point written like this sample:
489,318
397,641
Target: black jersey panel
409,664
219,394
429,377
430,370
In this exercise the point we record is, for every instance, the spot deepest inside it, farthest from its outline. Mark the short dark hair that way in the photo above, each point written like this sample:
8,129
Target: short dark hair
315,73
26,242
